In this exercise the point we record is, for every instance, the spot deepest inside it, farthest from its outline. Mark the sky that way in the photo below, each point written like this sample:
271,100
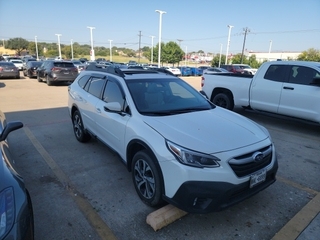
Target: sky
275,25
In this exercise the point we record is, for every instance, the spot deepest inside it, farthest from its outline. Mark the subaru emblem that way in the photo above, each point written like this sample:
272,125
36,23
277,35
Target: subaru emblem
258,156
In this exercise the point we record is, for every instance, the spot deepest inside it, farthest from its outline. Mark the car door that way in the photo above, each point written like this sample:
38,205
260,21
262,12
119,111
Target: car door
299,98
111,126
265,90
90,97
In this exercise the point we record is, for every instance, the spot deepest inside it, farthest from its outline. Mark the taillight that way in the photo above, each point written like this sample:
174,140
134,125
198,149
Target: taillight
202,81
75,69
1,69
56,69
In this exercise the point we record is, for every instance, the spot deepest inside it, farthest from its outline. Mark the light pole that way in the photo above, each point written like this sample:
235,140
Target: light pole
152,49
3,44
228,43
160,23
220,54
110,50
269,50
185,58
71,50
35,41
92,57
59,45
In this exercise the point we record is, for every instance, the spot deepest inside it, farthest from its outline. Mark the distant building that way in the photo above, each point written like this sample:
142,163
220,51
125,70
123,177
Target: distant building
274,56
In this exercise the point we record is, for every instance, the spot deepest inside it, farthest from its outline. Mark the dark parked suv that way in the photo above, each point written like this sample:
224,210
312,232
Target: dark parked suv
53,71
233,68
30,69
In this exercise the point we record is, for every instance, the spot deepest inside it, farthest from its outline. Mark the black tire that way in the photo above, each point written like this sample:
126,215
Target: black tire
223,100
78,129
18,77
38,78
146,179
24,74
49,83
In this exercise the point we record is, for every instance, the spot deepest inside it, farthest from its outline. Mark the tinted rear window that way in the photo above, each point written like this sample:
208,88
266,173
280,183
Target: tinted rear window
63,64
6,64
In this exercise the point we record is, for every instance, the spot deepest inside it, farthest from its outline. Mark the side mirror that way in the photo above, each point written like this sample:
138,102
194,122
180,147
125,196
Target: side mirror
113,107
204,94
11,126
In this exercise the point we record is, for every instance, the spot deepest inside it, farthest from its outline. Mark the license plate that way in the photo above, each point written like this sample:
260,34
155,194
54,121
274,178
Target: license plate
258,177
66,72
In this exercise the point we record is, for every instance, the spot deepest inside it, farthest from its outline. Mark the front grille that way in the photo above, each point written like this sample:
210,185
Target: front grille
245,164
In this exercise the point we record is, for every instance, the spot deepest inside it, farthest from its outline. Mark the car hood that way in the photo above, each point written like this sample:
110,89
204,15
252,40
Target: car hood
210,131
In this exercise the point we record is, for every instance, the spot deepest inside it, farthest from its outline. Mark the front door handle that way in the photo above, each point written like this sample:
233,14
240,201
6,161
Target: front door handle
288,88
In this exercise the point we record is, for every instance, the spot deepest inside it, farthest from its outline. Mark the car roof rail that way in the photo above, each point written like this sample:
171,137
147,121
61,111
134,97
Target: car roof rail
116,70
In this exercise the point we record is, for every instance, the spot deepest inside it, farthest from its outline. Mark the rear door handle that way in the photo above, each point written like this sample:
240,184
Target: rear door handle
288,88
98,110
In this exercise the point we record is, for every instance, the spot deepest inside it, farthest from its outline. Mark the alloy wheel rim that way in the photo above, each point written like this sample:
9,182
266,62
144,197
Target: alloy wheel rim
144,179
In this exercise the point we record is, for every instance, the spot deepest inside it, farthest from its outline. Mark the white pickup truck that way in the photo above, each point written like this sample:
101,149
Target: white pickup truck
290,88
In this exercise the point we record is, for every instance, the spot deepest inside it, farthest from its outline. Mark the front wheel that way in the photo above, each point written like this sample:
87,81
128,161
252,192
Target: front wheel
223,100
146,179
78,128
38,78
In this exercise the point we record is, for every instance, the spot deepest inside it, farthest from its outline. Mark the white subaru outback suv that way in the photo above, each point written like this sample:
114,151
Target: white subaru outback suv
179,147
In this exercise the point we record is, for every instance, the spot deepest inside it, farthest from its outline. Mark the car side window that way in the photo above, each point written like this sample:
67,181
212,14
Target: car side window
302,75
95,86
83,81
276,73
112,93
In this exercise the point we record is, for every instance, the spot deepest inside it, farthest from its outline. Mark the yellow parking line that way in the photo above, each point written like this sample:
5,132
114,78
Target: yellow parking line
303,218
91,215
297,185
300,221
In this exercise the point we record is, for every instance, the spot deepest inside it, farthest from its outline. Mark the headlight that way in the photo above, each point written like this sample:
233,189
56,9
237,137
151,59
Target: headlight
193,158
6,211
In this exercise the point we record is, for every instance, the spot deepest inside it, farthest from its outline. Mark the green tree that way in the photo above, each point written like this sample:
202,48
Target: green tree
172,53
18,44
32,48
216,59
310,55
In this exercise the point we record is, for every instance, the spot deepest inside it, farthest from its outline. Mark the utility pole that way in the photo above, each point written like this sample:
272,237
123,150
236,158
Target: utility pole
139,45
246,30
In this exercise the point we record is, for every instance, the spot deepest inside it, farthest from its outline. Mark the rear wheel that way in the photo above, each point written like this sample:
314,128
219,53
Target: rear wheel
78,128
49,83
18,76
223,100
146,179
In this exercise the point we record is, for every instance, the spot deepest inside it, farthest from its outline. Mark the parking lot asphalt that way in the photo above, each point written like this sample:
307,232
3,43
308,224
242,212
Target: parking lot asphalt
83,191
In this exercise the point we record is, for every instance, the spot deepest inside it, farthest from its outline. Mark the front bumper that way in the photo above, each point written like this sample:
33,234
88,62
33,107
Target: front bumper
204,196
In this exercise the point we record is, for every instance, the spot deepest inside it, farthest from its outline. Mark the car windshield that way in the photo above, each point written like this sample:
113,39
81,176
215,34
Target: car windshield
166,97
